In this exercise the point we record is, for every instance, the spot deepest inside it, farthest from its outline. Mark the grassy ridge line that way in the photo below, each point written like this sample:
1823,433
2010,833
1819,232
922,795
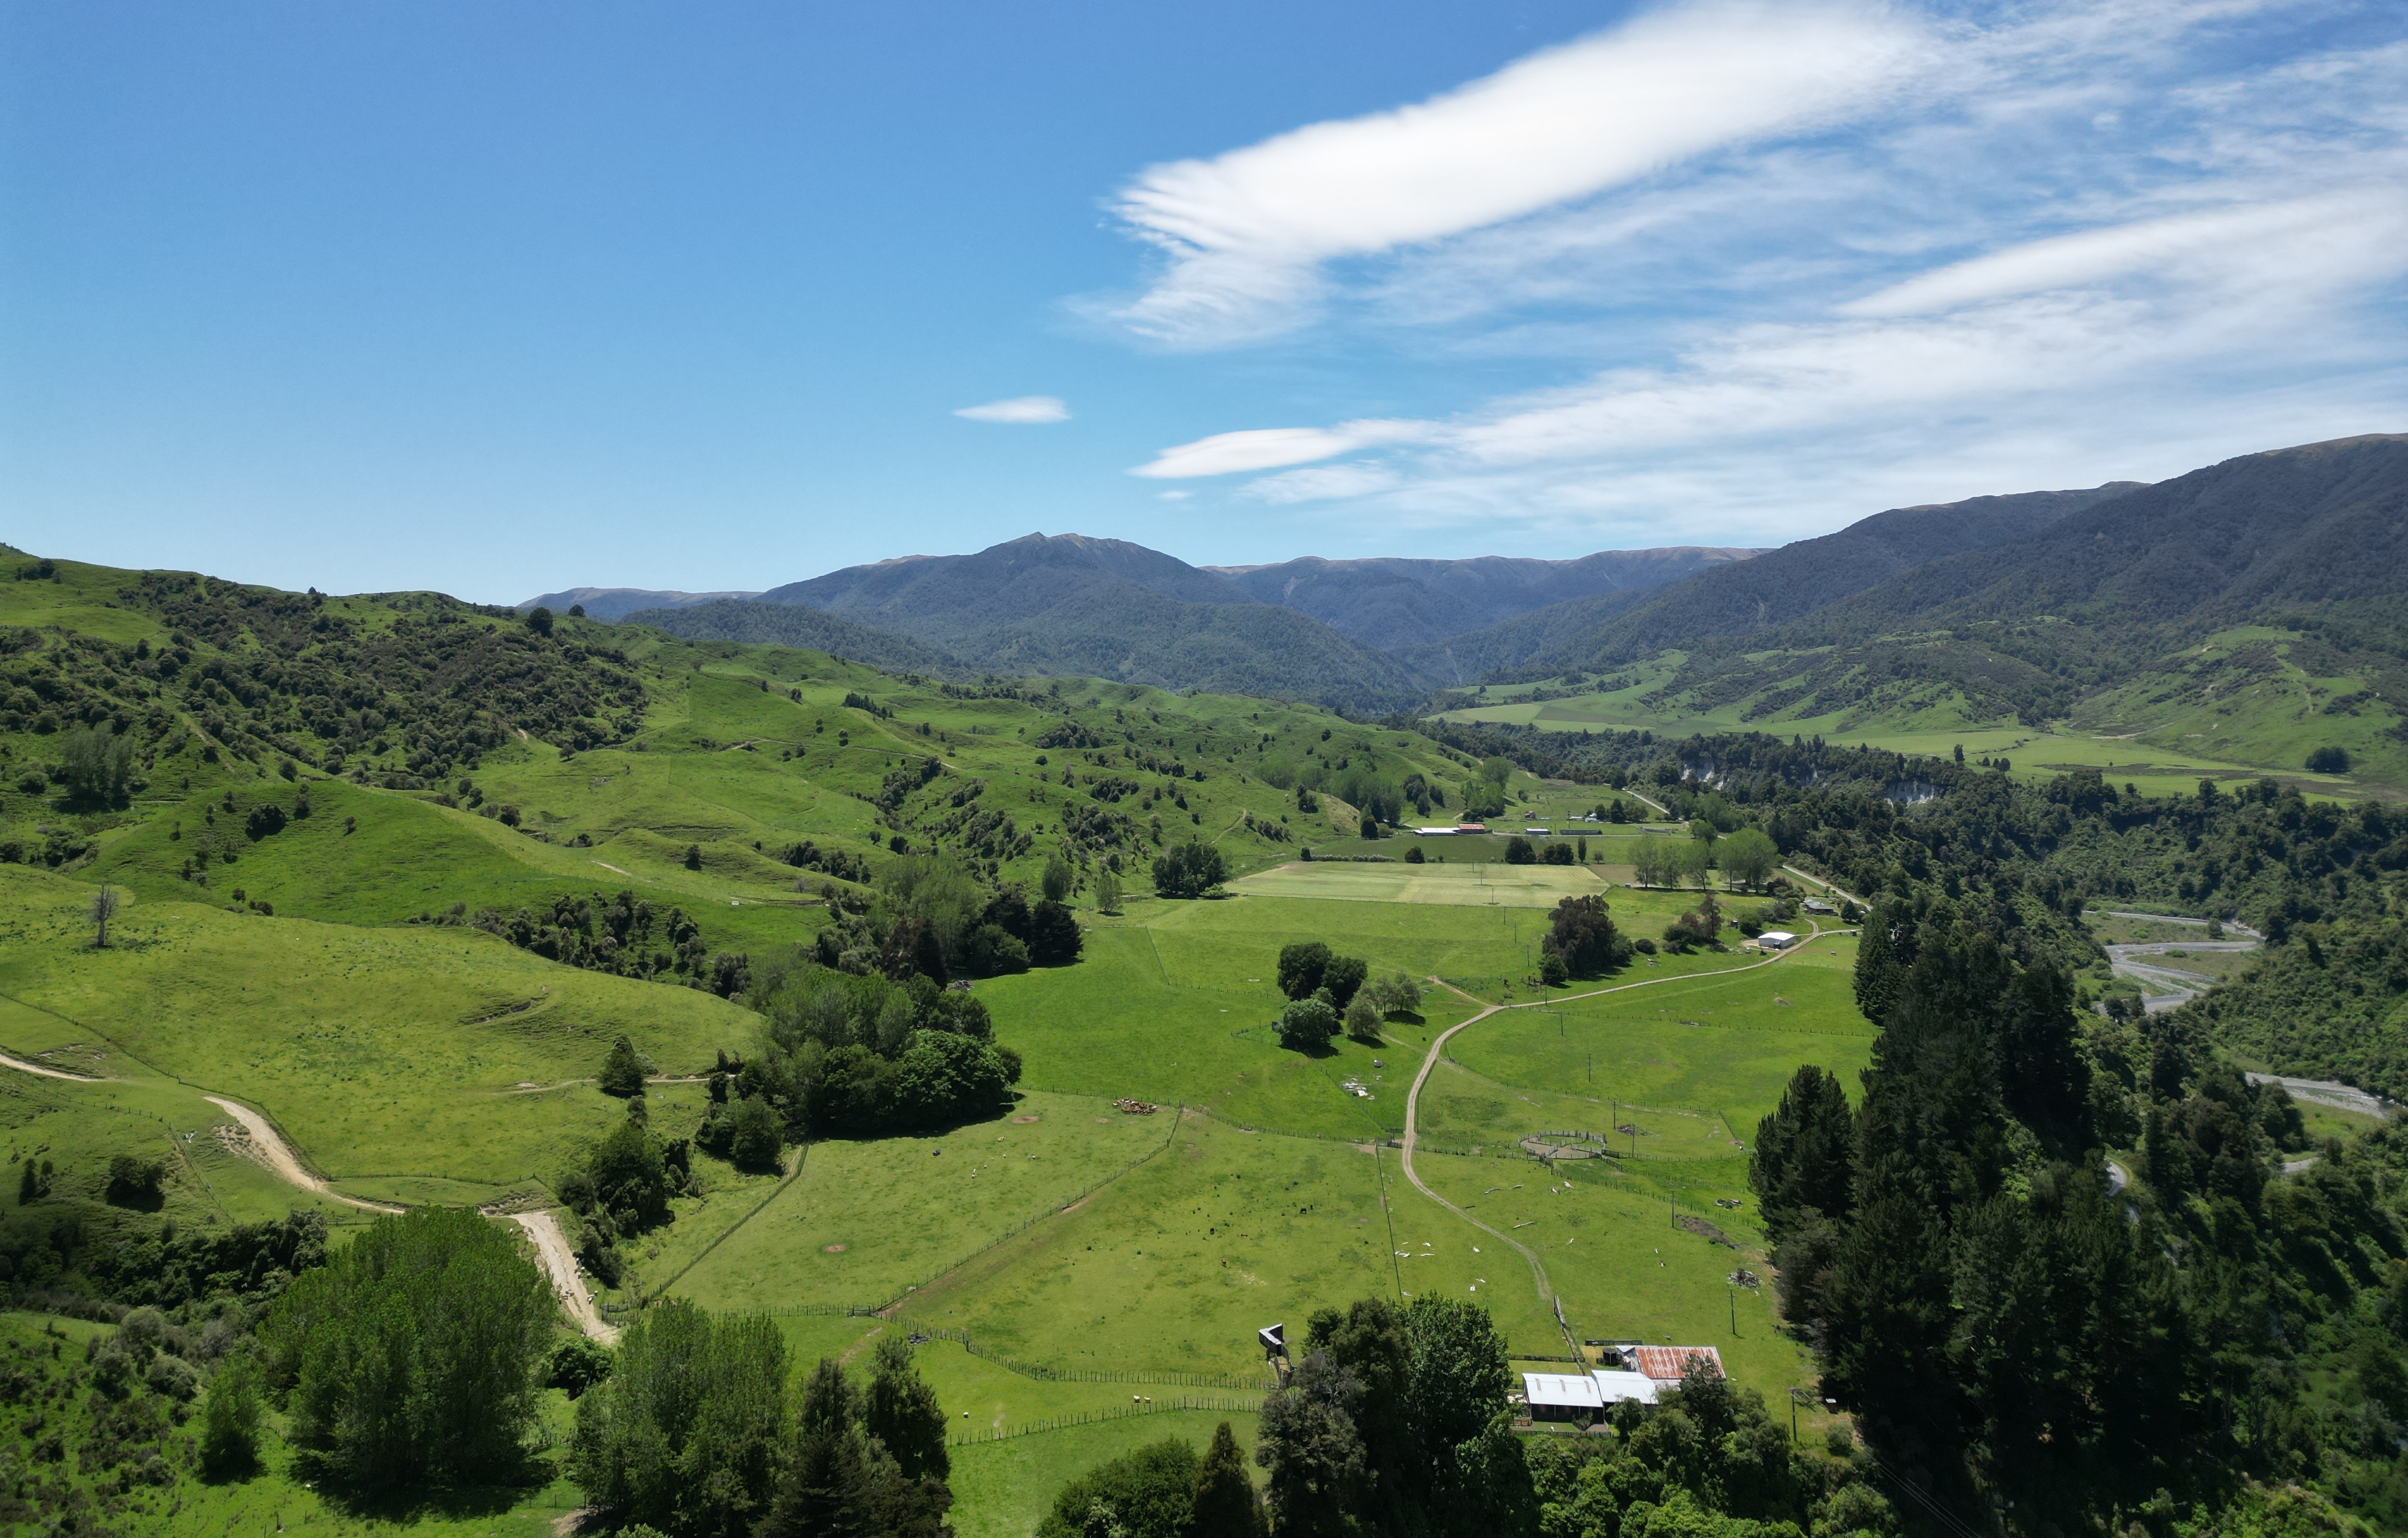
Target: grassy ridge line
802,1153
1090,1417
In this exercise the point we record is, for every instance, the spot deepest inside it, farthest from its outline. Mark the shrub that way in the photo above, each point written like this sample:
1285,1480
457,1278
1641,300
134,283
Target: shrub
1559,853
623,1071
1300,966
2329,761
1053,937
992,952
230,1421
1342,978
135,1181
578,1364
1191,870
1308,1024
1519,851
1363,1020
755,1139
1414,857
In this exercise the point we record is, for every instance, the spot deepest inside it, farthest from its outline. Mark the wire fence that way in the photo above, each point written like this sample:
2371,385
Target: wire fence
1220,1404
643,1300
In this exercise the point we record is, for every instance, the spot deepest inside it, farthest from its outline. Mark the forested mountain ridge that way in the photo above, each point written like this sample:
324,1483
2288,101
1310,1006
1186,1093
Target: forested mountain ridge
2249,611
1397,605
936,596
1329,631
618,602
2291,528
1070,605
1774,589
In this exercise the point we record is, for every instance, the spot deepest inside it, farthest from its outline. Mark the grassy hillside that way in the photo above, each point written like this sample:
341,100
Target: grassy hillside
792,625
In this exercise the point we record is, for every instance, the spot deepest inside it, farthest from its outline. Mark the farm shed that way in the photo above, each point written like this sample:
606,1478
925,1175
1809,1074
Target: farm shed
1614,1388
1776,939
1665,1363
1561,1396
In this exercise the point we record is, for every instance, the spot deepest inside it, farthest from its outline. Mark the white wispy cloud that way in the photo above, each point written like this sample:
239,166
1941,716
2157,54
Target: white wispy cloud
1268,448
1020,410
2088,238
1244,234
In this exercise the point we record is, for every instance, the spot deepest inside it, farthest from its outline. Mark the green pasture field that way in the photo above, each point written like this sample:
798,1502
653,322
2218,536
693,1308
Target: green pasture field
1622,1268
1458,885
1723,1044
866,1221
383,1054
1175,1002
1175,1005
2114,929
1173,1267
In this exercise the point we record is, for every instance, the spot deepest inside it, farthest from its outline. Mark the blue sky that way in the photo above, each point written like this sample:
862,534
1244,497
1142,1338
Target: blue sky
497,297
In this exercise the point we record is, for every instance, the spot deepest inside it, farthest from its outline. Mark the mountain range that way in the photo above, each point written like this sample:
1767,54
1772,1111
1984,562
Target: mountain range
1326,631
2029,605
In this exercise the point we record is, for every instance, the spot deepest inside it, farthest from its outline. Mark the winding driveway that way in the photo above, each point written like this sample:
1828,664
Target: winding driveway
278,1155
560,1263
1438,1046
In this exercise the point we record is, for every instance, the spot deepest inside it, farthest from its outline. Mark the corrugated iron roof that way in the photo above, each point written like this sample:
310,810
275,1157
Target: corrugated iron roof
1665,1363
1616,1387
1560,1390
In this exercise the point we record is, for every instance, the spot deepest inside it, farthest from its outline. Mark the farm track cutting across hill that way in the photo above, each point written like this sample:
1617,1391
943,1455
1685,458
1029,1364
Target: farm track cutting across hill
271,1149
7,1060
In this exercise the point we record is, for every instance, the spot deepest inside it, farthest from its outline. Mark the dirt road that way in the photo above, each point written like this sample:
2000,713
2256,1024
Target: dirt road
7,1060
560,1264
269,1148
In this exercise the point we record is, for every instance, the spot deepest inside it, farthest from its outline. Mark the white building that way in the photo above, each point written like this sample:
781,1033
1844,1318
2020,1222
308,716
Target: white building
1776,939
1562,1396
1617,1387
